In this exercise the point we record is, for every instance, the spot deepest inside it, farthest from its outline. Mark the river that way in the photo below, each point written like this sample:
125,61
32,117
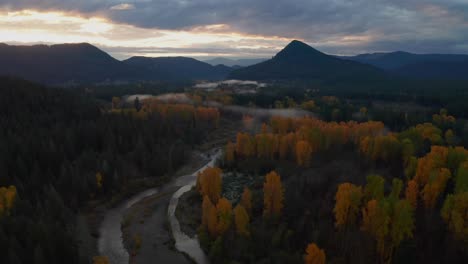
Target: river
110,242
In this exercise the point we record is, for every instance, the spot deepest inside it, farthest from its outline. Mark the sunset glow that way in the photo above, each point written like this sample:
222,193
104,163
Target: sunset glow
30,27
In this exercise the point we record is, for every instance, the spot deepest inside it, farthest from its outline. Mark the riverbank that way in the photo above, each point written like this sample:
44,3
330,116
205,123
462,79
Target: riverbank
146,230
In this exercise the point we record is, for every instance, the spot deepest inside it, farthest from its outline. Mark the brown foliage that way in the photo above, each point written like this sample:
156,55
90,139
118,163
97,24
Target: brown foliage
273,195
348,199
209,183
314,255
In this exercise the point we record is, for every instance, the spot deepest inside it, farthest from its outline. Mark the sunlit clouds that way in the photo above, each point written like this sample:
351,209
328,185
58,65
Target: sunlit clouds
123,7
122,40
239,28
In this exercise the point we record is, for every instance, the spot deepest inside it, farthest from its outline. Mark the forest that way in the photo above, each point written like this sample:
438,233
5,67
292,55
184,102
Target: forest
60,149
356,180
343,192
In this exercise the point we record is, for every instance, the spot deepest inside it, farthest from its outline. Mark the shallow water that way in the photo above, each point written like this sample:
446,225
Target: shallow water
110,242
184,243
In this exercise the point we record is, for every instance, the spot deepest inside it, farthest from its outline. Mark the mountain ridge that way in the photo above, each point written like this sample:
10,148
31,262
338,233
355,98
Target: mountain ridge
84,63
417,66
299,61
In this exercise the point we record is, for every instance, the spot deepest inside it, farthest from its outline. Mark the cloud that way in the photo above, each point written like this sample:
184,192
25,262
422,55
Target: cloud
122,7
123,40
334,26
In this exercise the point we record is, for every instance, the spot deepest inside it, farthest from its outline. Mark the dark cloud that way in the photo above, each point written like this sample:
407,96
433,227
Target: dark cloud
335,26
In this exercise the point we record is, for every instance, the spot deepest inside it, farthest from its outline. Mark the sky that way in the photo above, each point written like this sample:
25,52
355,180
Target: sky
239,28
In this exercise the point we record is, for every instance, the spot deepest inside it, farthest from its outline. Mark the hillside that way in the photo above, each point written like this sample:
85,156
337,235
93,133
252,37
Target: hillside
418,66
172,68
85,63
299,61
234,62
63,63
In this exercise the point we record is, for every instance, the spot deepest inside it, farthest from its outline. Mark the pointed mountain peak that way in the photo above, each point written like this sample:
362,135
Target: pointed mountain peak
298,49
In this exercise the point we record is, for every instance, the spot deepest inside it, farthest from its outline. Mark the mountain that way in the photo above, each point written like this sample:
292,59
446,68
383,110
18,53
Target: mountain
299,61
419,66
232,62
63,63
85,63
172,68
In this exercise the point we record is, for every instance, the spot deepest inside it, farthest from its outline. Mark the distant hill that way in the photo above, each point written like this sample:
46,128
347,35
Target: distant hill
418,66
63,63
85,63
172,68
299,61
232,62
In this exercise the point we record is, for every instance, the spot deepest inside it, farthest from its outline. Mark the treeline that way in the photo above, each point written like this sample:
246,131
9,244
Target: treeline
107,91
435,93
60,149
226,233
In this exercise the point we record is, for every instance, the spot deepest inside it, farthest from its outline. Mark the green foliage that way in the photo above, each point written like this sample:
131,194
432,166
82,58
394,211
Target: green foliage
461,180
374,188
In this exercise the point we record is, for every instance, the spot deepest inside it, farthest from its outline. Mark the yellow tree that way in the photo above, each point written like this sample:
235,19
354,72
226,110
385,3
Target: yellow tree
246,200
273,195
454,213
99,180
241,218
348,199
375,221
435,159
209,182
303,153
224,213
7,199
101,260
209,217
435,186
388,222
374,188
314,255
411,193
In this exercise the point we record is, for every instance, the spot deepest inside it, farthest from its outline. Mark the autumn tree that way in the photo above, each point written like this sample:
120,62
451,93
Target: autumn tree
348,199
407,151
434,187
314,255
241,218
7,199
209,182
286,146
410,167
461,180
434,160
450,137
273,195
101,260
246,200
454,213
389,222
99,180
245,145
374,188
303,153
224,214
229,152
375,221
411,193
209,217
397,187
